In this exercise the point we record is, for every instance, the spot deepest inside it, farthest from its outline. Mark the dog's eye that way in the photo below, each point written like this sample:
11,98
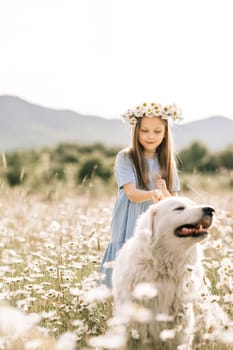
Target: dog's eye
179,208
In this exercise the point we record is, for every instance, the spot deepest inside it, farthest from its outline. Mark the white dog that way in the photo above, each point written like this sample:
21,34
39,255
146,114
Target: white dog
164,253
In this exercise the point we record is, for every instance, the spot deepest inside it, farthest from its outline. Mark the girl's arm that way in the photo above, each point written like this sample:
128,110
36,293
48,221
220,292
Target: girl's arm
137,196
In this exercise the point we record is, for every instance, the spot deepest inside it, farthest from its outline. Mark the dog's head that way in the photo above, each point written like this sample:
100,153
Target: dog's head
177,218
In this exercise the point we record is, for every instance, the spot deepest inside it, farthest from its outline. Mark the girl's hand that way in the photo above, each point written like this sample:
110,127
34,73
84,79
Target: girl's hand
157,196
162,186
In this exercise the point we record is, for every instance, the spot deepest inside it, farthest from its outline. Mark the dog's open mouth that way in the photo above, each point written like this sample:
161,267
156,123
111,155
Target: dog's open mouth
195,230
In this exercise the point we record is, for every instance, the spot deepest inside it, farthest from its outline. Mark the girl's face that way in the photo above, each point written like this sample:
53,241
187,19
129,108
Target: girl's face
151,134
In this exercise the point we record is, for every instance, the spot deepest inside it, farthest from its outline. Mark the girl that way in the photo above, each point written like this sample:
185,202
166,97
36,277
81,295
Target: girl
145,173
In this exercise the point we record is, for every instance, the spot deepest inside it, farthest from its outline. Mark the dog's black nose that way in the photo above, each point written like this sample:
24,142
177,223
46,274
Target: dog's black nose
208,210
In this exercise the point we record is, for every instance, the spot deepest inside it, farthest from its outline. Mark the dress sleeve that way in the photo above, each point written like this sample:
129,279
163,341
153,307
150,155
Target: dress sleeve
176,182
124,170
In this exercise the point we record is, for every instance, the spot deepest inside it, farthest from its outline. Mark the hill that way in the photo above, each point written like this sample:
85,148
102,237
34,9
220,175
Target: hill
24,125
214,132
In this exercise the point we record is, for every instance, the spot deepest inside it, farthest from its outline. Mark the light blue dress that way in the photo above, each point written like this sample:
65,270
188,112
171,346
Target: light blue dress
125,212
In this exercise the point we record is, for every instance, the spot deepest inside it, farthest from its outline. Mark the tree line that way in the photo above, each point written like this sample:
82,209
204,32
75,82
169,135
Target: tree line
77,164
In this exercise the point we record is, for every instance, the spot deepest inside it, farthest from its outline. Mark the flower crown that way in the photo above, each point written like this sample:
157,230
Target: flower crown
151,110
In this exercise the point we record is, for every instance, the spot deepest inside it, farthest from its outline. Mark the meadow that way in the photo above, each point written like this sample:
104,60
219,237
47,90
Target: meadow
51,246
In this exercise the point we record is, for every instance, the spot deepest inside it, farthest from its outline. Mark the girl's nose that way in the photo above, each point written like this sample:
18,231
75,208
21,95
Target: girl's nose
151,135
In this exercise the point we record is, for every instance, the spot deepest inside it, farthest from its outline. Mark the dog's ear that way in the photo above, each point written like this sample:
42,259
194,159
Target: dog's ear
146,222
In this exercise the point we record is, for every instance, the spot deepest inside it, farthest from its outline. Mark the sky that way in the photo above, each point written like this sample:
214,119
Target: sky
101,57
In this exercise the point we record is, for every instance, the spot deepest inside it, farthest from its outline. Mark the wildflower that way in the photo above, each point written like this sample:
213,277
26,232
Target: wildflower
78,323
49,314
167,334
227,263
135,334
109,264
100,293
66,341
51,293
219,286
164,318
228,298
150,110
49,245
55,226
144,290
33,344
137,313
110,340
217,244
224,337
15,323
75,291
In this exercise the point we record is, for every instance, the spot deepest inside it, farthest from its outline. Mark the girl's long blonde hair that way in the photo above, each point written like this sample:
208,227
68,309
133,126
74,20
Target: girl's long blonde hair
166,157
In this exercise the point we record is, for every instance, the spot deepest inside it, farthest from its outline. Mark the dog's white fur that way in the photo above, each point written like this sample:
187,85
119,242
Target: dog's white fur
172,264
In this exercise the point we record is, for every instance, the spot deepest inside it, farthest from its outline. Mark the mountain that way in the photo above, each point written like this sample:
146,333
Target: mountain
24,125
215,132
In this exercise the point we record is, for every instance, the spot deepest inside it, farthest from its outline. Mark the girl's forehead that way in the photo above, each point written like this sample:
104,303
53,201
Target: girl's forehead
152,122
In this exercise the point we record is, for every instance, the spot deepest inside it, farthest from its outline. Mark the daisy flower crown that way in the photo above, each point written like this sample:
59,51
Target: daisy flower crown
151,110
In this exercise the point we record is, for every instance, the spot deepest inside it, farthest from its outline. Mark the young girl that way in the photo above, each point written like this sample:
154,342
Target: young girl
145,173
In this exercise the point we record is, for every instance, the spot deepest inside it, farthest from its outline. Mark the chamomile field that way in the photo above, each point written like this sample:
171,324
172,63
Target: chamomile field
51,245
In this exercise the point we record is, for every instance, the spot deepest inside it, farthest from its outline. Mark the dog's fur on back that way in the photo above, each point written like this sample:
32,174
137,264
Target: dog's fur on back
165,253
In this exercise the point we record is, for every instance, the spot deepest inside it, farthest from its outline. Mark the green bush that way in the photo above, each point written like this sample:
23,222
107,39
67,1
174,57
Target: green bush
98,148
92,167
226,158
208,164
15,176
191,157
230,184
13,159
66,153
73,164
54,173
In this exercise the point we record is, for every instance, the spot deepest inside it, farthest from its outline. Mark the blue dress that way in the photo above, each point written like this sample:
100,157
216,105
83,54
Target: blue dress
125,212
